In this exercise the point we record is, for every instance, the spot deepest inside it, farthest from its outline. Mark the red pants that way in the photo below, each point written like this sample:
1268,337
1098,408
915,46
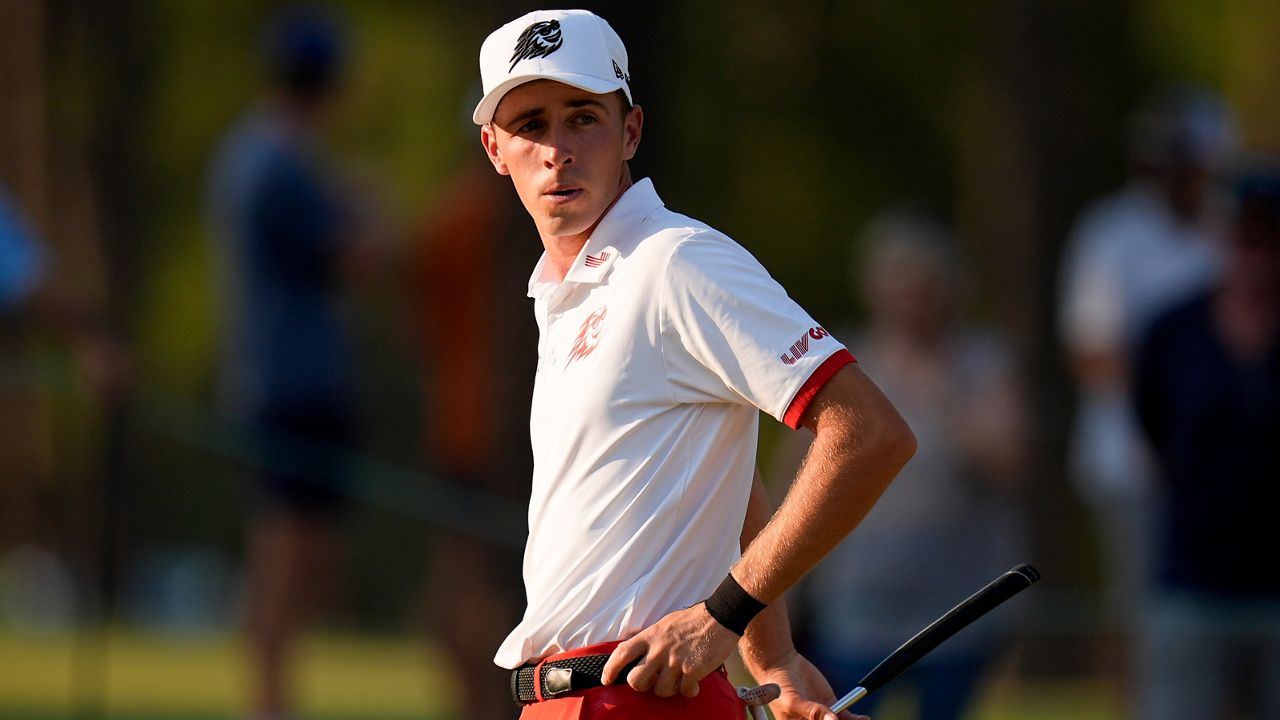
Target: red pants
716,700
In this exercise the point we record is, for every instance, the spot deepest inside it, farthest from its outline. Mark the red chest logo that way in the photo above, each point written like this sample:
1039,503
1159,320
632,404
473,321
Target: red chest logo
588,335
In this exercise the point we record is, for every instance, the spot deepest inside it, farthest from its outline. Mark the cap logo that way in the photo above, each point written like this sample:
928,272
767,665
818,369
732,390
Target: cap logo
617,72
538,40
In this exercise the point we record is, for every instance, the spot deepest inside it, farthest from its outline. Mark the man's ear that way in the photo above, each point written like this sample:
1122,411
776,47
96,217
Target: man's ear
490,143
632,125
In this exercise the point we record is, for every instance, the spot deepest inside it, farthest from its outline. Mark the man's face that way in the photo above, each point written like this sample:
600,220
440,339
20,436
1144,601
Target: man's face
564,149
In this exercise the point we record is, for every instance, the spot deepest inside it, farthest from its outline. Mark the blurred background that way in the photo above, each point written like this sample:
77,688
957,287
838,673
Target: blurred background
265,350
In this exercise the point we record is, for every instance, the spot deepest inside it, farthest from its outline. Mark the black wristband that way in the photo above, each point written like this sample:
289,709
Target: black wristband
733,607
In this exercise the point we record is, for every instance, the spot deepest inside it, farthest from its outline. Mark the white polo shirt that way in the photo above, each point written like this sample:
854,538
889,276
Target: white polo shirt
656,354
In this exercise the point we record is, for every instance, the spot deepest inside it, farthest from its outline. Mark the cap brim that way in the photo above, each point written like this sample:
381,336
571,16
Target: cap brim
489,103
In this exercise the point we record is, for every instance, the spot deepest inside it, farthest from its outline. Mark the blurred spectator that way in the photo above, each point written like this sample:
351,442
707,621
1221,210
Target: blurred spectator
22,271
28,297
1131,255
30,301
1208,398
22,259
285,238
951,521
474,257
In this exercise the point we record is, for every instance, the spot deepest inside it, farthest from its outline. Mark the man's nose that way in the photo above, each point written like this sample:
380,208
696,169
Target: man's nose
559,148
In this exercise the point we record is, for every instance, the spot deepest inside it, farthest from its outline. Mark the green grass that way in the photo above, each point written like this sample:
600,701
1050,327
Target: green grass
19,713
1047,700
146,676
343,677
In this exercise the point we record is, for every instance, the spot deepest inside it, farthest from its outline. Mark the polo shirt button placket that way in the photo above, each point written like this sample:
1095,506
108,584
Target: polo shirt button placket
554,317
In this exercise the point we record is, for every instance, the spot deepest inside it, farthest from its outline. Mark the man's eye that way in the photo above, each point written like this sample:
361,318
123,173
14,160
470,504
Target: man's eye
530,126
585,119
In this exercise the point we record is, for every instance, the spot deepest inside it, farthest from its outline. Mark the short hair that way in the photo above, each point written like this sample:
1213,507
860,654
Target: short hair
625,103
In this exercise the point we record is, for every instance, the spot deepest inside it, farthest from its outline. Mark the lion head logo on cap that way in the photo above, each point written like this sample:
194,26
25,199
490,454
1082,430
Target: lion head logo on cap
538,40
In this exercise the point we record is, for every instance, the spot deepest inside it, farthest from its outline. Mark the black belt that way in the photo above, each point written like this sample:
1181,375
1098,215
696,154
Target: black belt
557,677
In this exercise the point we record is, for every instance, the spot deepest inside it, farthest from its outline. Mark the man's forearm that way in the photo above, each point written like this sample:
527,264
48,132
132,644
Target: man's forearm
766,647
767,641
860,445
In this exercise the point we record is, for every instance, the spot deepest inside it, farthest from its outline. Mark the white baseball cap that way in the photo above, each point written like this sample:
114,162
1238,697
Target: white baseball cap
575,47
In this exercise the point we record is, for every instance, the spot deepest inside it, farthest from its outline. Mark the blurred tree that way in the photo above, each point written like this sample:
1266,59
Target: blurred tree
1252,69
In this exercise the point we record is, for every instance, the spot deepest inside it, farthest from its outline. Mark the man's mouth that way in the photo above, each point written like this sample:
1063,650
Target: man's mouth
563,194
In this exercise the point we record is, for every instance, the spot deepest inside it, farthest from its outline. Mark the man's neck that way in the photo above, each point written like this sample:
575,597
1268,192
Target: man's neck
562,250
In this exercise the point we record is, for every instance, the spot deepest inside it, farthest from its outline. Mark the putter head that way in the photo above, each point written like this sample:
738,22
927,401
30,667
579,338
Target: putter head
760,695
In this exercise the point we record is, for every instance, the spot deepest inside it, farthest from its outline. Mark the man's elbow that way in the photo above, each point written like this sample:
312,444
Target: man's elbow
897,443
856,415
881,438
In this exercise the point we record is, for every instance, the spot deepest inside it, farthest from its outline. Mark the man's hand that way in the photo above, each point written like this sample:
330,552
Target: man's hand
806,695
678,651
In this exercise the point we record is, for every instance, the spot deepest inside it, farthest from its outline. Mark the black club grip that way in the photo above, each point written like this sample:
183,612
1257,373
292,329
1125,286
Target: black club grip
980,603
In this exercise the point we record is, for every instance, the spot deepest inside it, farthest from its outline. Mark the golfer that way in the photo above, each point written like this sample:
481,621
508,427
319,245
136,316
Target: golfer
653,551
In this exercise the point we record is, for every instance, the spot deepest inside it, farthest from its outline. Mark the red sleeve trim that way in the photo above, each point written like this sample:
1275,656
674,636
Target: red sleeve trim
808,391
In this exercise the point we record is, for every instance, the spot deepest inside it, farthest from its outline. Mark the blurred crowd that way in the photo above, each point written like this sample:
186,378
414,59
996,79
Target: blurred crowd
1168,316
1169,320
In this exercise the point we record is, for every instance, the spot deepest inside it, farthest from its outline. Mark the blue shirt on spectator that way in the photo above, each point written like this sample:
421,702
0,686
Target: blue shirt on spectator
1214,423
279,229
22,259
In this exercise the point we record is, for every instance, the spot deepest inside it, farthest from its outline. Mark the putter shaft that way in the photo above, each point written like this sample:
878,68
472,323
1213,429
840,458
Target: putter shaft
847,701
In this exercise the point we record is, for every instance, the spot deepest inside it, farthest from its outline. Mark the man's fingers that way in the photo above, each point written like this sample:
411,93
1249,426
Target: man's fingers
620,658
642,677
689,686
667,683
809,710
818,712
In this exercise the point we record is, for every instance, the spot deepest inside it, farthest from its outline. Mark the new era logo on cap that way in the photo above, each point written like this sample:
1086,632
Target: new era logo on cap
574,47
